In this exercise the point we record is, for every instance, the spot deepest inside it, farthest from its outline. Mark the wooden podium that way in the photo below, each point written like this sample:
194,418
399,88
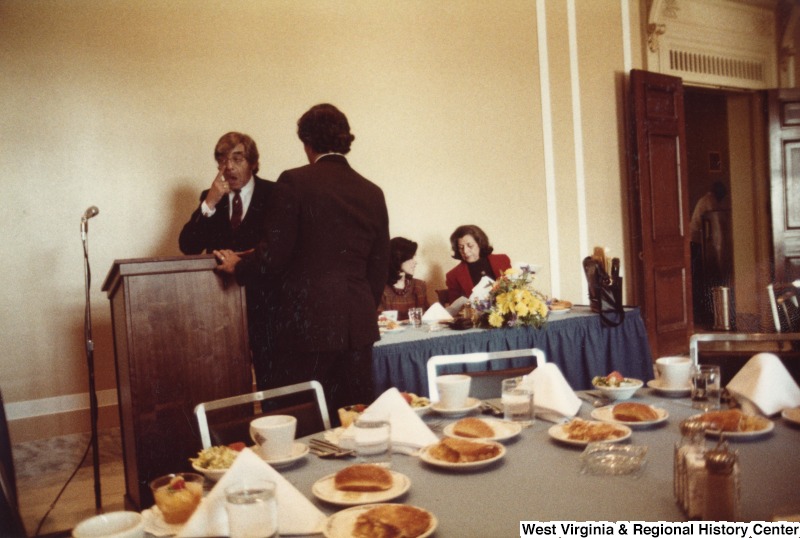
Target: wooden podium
180,338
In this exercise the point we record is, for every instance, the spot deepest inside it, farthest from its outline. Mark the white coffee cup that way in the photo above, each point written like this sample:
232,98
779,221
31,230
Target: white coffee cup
453,390
274,435
675,371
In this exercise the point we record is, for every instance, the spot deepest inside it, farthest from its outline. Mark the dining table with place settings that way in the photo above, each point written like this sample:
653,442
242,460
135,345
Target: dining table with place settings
537,474
576,340
540,477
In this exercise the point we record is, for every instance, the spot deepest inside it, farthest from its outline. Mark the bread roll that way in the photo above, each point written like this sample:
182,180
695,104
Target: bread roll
473,427
727,420
363,477
455,450
392,521
634,412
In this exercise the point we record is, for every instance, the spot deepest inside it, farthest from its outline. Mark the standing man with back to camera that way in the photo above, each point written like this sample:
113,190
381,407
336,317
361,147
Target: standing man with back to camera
328,235
231,216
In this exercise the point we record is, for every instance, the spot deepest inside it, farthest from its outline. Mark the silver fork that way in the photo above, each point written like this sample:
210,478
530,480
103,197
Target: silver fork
324,449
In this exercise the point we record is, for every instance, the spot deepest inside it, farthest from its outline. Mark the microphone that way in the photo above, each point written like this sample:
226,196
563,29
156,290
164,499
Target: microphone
92,211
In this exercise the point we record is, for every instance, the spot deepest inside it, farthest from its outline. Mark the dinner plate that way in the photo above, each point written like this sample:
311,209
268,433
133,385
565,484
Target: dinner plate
472,404
791,414
503,430
341,524
558,433
299,450
769,426
325,490
606,414
426,456
655,384
384,330
560,311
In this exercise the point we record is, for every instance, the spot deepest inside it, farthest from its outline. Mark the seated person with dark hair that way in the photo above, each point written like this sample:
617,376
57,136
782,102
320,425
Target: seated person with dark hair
471,245
402,290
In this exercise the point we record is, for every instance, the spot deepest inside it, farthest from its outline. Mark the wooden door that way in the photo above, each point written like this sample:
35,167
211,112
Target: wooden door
659,210
784,160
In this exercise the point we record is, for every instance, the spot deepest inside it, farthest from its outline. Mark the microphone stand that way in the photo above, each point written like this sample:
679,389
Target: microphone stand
93,406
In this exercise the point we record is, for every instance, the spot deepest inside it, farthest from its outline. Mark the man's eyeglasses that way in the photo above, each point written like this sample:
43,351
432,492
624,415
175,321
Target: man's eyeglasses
235,159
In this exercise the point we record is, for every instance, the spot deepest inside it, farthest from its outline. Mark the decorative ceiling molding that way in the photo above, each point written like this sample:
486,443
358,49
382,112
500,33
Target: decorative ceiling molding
729,43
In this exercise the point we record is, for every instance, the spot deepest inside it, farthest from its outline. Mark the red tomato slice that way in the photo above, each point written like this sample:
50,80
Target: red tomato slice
238,447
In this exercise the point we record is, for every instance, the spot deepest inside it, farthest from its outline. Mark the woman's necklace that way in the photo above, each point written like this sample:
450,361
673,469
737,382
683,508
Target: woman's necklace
401,287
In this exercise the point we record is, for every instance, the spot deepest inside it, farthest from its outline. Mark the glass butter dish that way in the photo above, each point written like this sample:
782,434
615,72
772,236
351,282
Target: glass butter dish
613,459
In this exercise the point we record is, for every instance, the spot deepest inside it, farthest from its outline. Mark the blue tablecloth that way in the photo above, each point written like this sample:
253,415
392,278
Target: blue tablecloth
576,341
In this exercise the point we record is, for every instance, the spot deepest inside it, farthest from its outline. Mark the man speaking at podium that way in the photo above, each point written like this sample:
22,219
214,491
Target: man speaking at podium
326,247
231,216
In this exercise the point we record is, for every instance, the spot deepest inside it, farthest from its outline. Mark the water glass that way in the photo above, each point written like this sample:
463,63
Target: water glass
517,399
415,317
252,509
373,439
706,387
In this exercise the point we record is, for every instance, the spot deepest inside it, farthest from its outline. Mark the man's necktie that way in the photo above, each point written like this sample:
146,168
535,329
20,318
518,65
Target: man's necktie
236,213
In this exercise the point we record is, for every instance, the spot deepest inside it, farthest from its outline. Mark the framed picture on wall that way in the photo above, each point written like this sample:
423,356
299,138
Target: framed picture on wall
714,161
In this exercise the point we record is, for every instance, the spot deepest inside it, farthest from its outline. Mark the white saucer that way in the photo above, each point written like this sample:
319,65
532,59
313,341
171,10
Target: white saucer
669,391
299,450
791,414
472,404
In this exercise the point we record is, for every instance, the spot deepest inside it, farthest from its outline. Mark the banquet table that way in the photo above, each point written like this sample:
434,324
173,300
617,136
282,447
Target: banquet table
540,479
576,341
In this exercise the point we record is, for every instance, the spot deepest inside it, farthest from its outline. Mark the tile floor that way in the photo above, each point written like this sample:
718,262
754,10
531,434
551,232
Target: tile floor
43,468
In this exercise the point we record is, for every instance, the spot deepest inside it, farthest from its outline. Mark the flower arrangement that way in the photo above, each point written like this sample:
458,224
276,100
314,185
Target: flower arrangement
513,302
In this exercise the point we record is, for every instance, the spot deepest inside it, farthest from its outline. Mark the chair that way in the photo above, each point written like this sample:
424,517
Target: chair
10,518
485,380
731,351
443,296
228,420
785,308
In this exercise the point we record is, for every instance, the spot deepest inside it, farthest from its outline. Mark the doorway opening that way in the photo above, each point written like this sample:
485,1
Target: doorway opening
730,231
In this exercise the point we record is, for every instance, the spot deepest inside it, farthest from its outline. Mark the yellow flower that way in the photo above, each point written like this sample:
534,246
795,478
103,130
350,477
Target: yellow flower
496,319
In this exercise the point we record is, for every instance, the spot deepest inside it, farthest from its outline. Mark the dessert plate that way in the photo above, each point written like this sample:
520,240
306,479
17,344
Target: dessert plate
341,524
426,456
503,430
325,490
606,414
559,433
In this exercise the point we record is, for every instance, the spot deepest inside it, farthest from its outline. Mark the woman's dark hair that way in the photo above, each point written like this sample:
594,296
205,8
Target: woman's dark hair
325,129
228,141
479,236
401,250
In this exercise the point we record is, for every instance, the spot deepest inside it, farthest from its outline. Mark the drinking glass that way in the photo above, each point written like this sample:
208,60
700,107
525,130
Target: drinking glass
517,401
252,509
373,439
415,316
705,387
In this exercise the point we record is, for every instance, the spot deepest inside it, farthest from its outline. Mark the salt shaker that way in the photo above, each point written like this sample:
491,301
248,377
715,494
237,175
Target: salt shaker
691,447
722,485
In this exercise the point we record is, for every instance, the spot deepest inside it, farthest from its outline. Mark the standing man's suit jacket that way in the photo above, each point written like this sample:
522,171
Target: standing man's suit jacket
327,244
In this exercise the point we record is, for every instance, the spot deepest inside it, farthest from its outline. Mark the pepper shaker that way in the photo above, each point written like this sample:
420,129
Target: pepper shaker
722,498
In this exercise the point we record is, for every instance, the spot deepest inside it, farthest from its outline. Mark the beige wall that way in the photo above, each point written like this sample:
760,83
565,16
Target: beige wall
119,104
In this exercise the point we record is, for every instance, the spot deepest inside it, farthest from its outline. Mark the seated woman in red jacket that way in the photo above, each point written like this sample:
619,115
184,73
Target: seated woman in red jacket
402,290
471,245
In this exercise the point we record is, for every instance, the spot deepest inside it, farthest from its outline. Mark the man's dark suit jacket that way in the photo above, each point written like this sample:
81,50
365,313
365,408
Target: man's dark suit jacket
214,232
328,239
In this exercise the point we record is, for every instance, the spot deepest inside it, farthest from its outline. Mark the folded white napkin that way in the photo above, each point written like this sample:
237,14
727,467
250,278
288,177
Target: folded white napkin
409,432
765,383
435,313
296,514
553,398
